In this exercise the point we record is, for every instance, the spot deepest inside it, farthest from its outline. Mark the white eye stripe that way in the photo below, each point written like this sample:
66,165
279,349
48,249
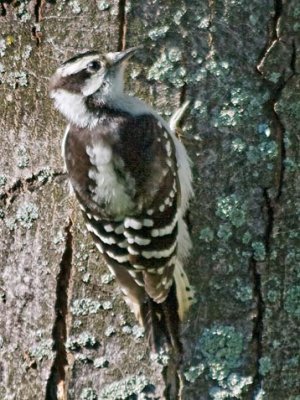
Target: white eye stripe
73,67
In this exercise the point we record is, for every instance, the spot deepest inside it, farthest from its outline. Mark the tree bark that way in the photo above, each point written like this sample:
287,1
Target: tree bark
65,331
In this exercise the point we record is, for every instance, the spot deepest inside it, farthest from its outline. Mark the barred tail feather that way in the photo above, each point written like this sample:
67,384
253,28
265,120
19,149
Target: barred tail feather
184,291
161,322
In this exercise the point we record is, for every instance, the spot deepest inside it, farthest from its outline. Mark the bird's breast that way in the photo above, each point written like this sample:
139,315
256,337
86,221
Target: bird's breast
97,174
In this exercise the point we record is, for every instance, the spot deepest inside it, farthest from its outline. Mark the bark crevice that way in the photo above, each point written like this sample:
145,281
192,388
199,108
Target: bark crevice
31,184
258,327
56,388
122,25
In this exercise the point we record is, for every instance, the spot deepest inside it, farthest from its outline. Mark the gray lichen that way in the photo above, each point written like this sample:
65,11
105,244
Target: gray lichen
42,350
103,5
22,157
123,389
26,214
2,47
101,362
109,331
88,394
75,6
85,339
3,180
87,306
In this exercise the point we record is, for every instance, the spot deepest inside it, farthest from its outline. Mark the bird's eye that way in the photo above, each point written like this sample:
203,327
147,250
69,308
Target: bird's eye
93,66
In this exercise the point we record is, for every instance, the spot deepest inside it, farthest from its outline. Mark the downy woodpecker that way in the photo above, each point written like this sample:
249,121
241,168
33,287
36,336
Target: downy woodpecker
132,178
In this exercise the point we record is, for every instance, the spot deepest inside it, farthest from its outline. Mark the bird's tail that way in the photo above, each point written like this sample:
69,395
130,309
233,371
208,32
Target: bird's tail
162,320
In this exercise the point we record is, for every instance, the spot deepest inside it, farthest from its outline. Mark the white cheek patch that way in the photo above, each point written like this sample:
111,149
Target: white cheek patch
92,84
72,106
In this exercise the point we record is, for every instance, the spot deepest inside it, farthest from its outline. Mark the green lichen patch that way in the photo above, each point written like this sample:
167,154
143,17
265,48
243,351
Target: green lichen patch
243,291
194,372
221,347
168,68
206,234
158,33
233,209
292,301
123,389
232,388
259,251
224,232
265,365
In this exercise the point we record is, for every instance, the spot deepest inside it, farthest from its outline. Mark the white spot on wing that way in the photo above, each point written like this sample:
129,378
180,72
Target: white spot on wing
142,241
120,259
166,230
99,247
133,223
132,251
148,222
168,148
109,228
159,253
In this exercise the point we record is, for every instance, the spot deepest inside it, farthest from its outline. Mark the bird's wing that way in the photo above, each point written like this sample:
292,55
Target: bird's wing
144,242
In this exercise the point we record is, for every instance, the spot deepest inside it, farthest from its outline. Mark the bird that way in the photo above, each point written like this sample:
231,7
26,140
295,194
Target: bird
132,178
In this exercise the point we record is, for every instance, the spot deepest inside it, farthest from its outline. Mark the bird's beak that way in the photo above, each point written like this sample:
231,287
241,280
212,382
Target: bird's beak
120,56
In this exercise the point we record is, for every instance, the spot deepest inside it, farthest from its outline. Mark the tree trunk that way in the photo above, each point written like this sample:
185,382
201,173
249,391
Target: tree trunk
65,331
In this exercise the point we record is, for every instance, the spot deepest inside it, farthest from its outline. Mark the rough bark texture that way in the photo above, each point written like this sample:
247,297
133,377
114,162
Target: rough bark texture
65,332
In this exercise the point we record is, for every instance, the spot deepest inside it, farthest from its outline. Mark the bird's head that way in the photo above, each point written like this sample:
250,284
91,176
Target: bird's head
86,75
